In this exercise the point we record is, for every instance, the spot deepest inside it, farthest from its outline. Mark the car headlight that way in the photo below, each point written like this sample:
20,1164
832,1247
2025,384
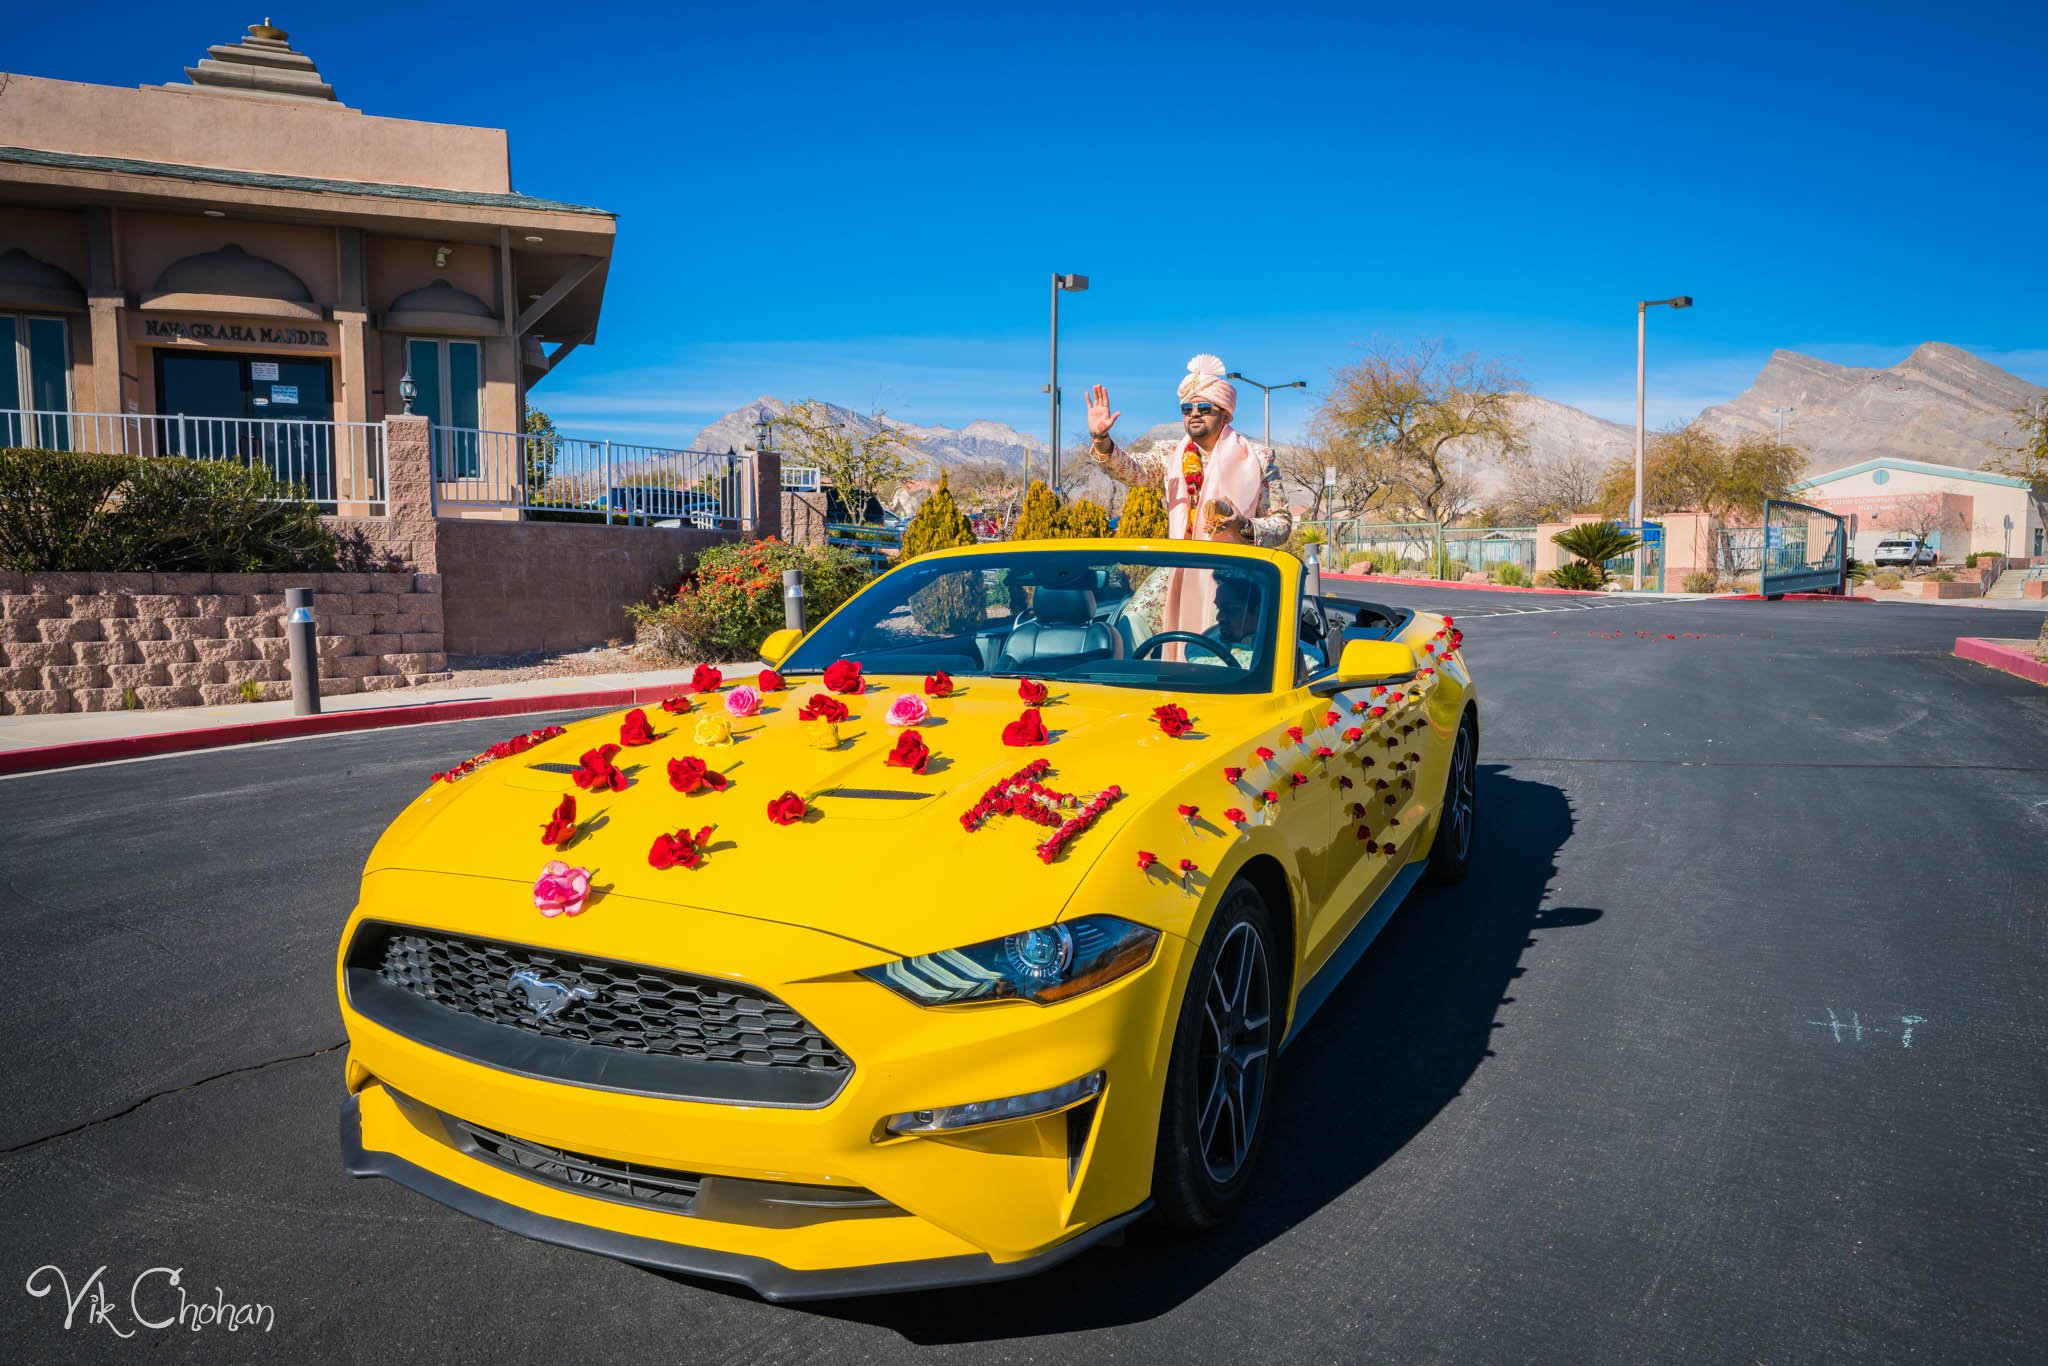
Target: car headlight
1044,965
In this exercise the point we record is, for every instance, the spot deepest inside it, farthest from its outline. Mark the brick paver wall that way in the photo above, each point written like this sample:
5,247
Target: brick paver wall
108,642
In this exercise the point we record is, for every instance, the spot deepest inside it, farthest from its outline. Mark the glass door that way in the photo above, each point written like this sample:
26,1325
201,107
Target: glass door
258,409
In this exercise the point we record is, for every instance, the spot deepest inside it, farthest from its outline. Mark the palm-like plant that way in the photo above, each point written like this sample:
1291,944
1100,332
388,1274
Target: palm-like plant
1593,544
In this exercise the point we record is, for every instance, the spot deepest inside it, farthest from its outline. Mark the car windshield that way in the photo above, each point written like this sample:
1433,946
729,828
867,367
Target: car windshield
1152,619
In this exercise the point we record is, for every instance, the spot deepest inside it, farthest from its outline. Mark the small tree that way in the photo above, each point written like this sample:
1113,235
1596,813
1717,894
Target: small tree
952,603
1041,518
856,463
1593,544
543,442
1144,516
1081,518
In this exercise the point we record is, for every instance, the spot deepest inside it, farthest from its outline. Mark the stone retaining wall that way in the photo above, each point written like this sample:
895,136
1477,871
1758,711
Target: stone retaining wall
109,642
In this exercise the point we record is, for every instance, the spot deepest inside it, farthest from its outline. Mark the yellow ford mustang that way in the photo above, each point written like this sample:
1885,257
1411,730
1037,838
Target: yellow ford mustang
968,935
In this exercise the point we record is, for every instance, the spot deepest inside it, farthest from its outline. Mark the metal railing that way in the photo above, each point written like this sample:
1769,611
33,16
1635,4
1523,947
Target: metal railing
336,464
563,478
801,479
1424,548
878,545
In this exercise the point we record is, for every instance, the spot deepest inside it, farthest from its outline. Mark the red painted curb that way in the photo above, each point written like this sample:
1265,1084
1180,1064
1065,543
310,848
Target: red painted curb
2004,657
1473,587
1797,597
328,723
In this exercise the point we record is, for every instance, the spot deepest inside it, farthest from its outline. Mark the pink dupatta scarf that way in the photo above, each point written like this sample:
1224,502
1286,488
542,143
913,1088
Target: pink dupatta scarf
1231,472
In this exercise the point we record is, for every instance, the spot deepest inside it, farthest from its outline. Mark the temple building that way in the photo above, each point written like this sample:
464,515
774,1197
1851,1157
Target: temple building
231,257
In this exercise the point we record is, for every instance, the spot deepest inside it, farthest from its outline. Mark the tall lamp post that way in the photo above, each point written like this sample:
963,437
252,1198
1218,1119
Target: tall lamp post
1636,509
1074,284
1781,422
1267,390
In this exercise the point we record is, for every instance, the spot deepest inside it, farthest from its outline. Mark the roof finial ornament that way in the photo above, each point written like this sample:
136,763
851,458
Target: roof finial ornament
265,30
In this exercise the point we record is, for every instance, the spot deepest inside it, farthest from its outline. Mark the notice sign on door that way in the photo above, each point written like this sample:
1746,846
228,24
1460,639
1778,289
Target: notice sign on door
284,393
262,371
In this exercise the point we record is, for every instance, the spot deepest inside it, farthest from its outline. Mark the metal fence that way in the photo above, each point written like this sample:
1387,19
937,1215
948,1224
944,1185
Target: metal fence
336,464
1424,548
801,479
571,479
1738,551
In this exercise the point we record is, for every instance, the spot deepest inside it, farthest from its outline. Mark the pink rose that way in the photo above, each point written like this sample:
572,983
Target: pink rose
561,889
908,710
743,701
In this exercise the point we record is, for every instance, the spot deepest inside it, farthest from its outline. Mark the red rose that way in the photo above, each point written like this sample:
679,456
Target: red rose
692,775
1028,729
822,708
1231,775
787,809
769,681
1294,734
634,730
1354,734
1366,835
1324,751
939,684
1032,691
1297,780
1358,811
677,705
1450,621
1235,815
1357,707
1172,719
597,773
1265,755
1331,718
682,849
706,679
1344,782
1270,797
1187,865
843,675
562,828
911,752
1145,860
1188,813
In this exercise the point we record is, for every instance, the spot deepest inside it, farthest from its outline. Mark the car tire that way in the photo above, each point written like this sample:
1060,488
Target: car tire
1219,1080
1450,853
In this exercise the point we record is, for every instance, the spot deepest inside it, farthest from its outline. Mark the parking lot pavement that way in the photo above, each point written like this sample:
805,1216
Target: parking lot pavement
1732,1048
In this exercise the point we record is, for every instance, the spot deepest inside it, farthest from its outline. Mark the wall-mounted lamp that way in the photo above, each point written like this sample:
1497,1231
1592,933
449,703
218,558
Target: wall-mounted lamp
441,257
408,389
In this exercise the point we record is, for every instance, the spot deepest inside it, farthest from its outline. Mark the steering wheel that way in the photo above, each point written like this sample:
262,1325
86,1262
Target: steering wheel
1185,638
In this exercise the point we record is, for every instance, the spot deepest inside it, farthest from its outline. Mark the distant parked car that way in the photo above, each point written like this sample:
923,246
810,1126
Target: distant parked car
666,504
1905,550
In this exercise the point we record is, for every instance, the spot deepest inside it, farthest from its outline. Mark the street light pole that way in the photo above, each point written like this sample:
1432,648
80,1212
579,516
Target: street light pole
1636,508
1268,389
1075,283
1781,423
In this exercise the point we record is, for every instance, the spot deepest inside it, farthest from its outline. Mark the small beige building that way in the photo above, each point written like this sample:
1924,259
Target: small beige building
223,265
1960,511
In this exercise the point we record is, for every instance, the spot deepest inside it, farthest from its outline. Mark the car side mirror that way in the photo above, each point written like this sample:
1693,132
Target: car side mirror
1369,661
779,644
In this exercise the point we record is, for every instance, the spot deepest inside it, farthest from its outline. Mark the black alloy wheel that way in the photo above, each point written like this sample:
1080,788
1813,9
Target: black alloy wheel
1219,1082
1450,855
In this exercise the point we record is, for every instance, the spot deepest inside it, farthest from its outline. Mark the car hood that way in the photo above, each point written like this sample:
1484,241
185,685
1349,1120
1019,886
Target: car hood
882,859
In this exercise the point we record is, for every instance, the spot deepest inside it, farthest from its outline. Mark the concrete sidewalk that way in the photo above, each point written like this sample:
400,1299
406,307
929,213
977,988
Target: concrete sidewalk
29,743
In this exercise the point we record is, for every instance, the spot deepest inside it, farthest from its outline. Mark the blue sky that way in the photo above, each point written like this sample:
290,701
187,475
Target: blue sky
863,203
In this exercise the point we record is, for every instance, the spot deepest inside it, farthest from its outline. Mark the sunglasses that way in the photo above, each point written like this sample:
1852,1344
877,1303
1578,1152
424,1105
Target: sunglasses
1187,408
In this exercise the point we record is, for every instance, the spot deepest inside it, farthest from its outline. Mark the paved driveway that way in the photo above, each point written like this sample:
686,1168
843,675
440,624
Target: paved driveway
1732,1049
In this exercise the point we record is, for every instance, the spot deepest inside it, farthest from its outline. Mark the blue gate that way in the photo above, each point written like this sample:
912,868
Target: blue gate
1805,550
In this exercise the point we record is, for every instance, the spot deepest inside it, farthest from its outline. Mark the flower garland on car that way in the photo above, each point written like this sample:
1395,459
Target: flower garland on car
504,749
1022,794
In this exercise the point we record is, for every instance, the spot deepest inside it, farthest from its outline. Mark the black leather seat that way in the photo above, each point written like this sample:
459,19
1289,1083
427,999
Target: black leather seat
1061,626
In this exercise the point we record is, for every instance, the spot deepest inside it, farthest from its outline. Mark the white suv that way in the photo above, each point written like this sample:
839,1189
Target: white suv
1903,550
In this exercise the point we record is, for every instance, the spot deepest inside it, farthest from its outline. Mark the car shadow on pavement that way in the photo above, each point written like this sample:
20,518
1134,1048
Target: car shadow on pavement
1393,1046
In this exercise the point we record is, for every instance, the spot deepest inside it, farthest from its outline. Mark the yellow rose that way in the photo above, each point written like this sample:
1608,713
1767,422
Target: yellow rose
713,730
822,734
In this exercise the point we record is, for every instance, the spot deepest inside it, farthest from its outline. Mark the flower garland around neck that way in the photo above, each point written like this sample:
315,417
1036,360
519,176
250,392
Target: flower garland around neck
1191,469
504,749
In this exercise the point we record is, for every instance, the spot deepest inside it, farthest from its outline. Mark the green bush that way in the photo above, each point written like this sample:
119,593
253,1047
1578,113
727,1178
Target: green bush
1509,574
954,603
1576,574
1144,515
1859,570
63,511
731,599
1593,544
1943,576
1041,518
1701,581
1082,519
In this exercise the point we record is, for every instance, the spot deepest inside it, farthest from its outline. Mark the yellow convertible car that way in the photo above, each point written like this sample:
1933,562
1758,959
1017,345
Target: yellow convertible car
968,932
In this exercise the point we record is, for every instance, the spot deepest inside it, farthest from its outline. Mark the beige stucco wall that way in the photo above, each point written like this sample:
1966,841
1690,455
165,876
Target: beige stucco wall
1977,510
245,133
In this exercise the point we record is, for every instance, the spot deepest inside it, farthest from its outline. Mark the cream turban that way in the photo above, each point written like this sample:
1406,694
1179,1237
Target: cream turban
1205,384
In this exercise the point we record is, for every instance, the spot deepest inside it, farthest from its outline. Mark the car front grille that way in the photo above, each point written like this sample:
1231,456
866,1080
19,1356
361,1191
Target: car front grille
622,1181
594,1021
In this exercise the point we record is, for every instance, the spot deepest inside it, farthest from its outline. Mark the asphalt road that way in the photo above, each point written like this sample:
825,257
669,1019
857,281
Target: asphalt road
1642,1089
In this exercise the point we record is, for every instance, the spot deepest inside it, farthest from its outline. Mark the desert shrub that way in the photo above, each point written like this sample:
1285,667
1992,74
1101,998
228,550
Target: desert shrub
1575,574
1887,578
953,603
1144,515
1448,567
1859,570
65,511
1943,576
1040,520
1384,561
730,600
1082,518
1509,574
1701,581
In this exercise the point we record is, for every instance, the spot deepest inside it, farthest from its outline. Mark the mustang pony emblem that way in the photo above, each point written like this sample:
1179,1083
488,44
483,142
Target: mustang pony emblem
544,999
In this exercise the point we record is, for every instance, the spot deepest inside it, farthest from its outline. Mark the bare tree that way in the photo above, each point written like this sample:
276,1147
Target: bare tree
1922,516
1427,418
858,464
1550,490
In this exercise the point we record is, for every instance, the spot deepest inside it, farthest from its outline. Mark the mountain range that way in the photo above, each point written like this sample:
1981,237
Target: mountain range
1941,404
